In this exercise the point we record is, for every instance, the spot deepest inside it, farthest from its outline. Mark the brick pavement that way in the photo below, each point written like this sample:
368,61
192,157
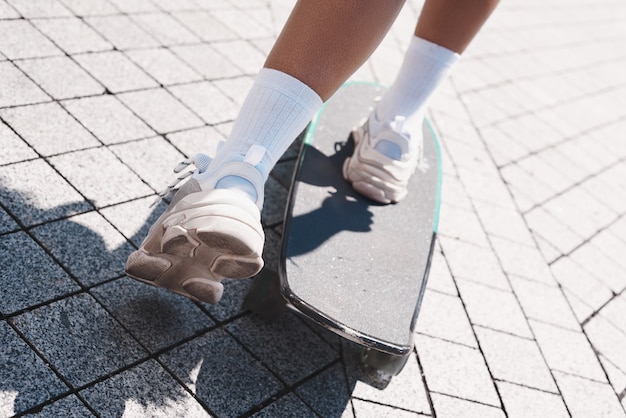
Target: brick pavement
525,307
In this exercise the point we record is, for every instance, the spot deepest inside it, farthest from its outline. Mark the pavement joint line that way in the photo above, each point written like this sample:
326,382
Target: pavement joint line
428,391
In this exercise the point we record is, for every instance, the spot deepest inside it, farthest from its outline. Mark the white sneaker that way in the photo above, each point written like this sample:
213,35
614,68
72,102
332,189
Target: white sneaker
381,165
204,236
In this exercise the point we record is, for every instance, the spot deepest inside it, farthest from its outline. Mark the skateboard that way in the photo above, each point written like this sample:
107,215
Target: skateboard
356,267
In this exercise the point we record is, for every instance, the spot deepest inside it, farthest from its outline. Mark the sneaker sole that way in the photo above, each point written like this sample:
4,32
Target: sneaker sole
195,259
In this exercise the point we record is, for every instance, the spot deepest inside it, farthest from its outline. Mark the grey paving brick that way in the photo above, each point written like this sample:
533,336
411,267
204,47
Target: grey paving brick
242,24
38,201
167,30
612,245
61,77
521,260
93,8
108,119
72,35
222,373
461,224
543,224
486,188
200,140
79,338
236,88
288,406
614,312
600,266
164,66
7,11
207,101
232,300
7,224
443,316
504,223
29,275
159,109
122,32
204,25
456,370
70,407
616,376
608,340
448,406
544,303
17,88
48,128
84,170
26,379
605,189
22,40
157,317
207,61
514,359
243,54
586,398
40,8
405,391
307,352
144,390
370,409
179,5
87,245
14,149
493,308
475,263
327,393
134,218
439,278
115,71
134,6
153,159
568,351
522,402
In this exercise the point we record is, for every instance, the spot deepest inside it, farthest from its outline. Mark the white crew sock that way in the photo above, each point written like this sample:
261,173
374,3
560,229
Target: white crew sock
426,65
276,110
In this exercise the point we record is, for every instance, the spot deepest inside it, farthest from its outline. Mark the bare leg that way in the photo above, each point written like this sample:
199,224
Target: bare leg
453,23
325,41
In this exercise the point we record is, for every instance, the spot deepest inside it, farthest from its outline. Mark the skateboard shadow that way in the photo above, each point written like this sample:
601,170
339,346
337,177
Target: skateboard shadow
342,209
125,311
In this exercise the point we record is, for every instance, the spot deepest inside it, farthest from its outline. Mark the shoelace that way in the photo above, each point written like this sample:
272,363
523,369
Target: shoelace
201,163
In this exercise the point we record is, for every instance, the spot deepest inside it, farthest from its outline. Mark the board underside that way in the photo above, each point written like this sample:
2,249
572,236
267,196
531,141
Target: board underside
357,267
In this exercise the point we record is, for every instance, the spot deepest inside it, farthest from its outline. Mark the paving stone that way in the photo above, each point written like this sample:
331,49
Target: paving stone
288,406
600,266
7,224
167,30
455,370
14,149
608,340
73,35
159,109
17,88
134,6
474,263
543,224
206,101
523,402
461,224
153,159
242,24
515,360
450,407
21,40
611,244
48,128
84,168
61,77
493,308
523,261
33,202
115,71
405,391
157,317
327,393
439,277
231,303
94,8
70,407
504,223
122,32
586,398
204,25
236,88
544,303
108,119
40,8
134,218
443,316
7,11
179,5
79,338
199,140
369,409
568,351
26,379
242,54
145,390
164,66
87,245
207,61
221,373
307,352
